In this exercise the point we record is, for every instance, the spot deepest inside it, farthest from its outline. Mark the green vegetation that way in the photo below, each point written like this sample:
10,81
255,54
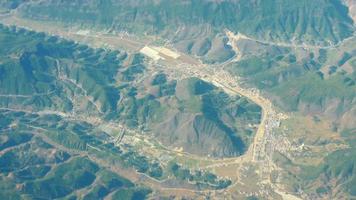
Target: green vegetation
67,139
55,74
32,168
131,194
195,115
142,165
302,84
320,22
308,21
201,179
31,65
10,4
81,136
9,141
65,155
338,166
251,198
63,180
336,170
313,90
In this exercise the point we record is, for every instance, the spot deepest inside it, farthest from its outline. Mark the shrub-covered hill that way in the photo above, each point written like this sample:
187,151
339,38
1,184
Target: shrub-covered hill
197,26
41,73
318,82
49,87
196,116
317,85
36,164
333,178
307,21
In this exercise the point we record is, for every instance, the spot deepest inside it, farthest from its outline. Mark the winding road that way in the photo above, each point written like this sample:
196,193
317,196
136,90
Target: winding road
270,119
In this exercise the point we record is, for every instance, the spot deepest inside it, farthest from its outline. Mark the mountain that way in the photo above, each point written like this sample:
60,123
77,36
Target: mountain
302,20
195,26
162,99
313,82
57,97
59,75
201,119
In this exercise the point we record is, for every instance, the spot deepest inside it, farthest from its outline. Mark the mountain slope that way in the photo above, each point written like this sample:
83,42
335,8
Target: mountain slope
273,19
39,72
196,26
